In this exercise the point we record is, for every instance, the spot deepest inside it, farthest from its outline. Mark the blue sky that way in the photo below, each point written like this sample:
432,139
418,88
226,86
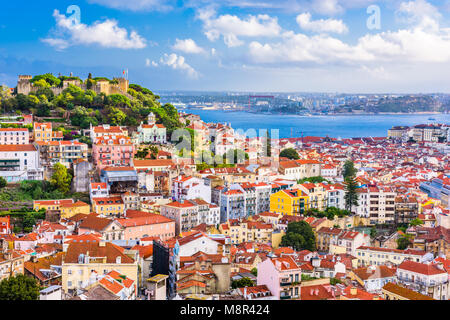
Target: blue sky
247,45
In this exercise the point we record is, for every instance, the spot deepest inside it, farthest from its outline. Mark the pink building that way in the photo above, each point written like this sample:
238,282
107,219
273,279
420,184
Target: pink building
138,224
113,151
282,276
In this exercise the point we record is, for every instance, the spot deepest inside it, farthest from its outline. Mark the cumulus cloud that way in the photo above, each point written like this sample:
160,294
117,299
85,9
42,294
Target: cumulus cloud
230,27
321,25
177,62
419,43
187,46
106,34
136,5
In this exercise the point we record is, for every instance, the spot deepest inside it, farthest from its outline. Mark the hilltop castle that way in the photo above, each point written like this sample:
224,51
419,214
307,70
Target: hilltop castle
25,86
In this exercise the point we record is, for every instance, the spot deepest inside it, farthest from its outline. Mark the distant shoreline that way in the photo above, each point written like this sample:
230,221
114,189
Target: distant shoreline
323,115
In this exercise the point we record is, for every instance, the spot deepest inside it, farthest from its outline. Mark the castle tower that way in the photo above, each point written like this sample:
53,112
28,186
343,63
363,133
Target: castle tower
24,84
124,84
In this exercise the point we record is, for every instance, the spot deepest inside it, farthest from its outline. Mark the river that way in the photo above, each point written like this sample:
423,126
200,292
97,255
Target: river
339,126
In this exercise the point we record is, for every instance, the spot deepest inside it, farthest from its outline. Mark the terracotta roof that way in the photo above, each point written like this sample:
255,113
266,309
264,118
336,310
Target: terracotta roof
376,273
423,268
109,250
404,292
93,222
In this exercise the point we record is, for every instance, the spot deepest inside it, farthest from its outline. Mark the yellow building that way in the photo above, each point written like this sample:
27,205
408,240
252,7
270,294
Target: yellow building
72,209
289,202
51,205
247,231
317,195
83,260
42,131
111,206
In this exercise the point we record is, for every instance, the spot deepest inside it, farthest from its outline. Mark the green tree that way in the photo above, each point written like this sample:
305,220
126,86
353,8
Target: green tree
373,232
19,287
28,222
3,182
268,144
254,271
351,195
300,236
290,154
242,283
317,179
416,222
349,169
61,178
235,156
403,243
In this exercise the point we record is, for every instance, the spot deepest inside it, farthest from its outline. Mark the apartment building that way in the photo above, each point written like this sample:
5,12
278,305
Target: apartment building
241,231
299,169
377,204
84,261
282,276
292,202
317,195
428,278
64,152
189,188
107,130
20,162
381,256
112,151
138,224
14,136
108,206
42,132
406,209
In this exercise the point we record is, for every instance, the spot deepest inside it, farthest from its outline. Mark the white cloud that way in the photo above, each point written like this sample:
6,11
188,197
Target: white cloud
105,34
419,43
187,46
321,25
324,7
231,27
58,44
419,13
150,63
136,5
327,7
177,62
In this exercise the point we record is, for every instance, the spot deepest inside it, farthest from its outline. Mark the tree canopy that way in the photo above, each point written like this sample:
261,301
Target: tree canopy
61,178
290,154
19,287
349,169
300,236
242,283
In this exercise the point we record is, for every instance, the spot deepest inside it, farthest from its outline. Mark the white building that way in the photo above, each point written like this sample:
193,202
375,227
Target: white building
98,190
335,196
20,162
427,278
14,136
152,132
329,171
189,188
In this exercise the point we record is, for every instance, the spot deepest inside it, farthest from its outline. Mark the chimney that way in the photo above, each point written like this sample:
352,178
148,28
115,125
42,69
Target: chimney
353,291
245,292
